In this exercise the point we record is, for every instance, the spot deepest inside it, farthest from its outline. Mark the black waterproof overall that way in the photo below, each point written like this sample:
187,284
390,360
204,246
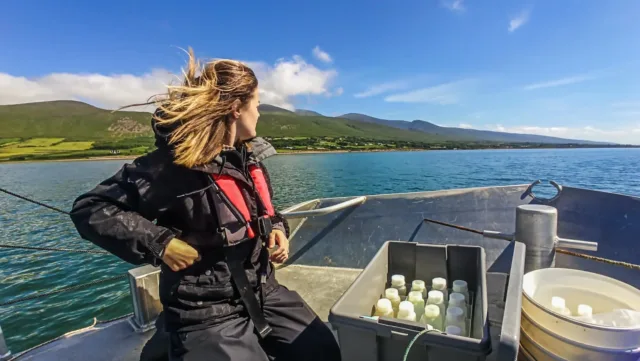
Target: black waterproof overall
228,306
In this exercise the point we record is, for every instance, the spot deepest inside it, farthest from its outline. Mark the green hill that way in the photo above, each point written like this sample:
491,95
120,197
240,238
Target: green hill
71,129
71,120
79,121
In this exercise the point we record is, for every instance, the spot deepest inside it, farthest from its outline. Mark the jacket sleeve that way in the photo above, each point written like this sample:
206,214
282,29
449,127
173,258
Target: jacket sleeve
278,221
115,217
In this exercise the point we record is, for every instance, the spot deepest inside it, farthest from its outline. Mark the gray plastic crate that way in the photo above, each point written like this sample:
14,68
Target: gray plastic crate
387,340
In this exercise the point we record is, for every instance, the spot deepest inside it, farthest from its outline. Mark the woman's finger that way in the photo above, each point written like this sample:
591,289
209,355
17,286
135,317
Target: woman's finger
278,252
272,240
283,258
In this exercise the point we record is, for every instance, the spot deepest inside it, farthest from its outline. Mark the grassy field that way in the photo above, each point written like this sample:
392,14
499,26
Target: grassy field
8,141
41,147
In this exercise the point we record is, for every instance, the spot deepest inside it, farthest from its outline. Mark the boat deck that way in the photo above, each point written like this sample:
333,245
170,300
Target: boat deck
319,286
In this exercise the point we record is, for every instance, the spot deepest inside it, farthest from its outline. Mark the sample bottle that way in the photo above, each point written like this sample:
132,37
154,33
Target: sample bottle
440,284
394,297
454,330
397,282
383,308
415,297
432,317
460,286
585,311
457,300
406,311
455,317
558,304
436,297
419,285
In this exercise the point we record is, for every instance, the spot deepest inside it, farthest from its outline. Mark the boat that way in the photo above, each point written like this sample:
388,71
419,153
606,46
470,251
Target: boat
333,239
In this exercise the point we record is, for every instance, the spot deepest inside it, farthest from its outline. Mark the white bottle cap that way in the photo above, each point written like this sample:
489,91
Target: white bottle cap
405,309
460,286
391,293
415,296
435,297
585,310
439,283
455,314
457,299
384,306
397,280
558,304
431,311
453,330
417,285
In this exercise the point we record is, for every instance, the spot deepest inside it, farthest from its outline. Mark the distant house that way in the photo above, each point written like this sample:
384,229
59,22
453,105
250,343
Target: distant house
115,151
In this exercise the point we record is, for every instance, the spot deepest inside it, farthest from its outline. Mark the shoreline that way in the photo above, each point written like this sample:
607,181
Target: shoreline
280,152
298,152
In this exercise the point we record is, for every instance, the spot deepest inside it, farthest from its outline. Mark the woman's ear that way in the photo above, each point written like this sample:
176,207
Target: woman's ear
235,109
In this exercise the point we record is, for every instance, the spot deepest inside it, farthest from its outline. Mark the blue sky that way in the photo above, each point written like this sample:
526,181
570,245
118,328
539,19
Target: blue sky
568,68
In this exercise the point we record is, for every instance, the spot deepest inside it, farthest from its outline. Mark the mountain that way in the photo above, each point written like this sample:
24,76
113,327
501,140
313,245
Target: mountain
267,108
74,120
69,119
306,112
464,134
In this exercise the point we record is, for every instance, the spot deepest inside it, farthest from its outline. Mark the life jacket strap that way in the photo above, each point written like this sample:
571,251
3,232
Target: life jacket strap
235,262
262,227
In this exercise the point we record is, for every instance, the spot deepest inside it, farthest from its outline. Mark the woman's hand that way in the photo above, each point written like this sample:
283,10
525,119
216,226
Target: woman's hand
282,253
179,255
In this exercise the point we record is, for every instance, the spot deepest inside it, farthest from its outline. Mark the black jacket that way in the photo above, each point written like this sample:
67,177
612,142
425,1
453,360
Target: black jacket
136,212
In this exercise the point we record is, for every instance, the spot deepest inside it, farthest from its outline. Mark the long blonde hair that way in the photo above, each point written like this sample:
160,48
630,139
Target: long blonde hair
198,109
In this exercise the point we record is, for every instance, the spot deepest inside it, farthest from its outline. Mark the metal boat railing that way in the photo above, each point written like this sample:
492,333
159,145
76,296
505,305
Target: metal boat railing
325,210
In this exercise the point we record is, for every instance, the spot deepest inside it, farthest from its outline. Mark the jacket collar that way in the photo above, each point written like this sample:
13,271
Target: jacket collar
258,150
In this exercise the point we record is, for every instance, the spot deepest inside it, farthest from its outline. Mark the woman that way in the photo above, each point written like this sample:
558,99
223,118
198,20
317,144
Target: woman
200,206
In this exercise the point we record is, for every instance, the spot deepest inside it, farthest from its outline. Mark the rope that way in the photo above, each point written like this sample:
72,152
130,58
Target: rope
51,249
33,201
423,332
61,290
454,226
558,250
599,259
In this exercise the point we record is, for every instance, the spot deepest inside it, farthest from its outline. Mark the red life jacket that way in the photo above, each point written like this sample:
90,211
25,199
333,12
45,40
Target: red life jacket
232,192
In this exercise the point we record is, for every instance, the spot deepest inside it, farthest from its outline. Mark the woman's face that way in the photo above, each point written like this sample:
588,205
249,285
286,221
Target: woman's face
248,119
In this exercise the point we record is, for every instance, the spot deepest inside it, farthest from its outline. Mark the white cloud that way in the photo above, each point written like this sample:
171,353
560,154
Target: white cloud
443,94
454,5
322,55
107,91
520,19
278,84
559,82
382,88
623,135
290,78
465,126
338,92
